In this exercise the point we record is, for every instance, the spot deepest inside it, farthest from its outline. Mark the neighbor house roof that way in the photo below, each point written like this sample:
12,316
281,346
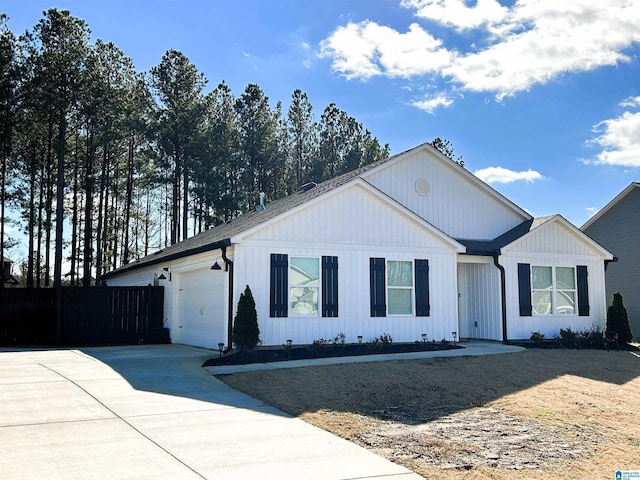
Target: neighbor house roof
610,205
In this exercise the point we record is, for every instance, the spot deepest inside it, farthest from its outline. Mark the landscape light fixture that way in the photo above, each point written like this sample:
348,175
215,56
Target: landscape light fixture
359,338
454,335
424,337
289,342
220,348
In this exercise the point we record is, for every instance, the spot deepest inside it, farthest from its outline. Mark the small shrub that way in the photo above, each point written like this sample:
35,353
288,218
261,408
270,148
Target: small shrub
537,338
444,342
386,339
246,334
618,327
591,339
568,338
339,339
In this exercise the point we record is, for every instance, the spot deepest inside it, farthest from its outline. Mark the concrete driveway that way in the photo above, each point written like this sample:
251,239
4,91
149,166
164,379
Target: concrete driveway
151,412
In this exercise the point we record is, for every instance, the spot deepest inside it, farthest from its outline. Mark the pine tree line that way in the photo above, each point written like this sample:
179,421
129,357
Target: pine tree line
109,164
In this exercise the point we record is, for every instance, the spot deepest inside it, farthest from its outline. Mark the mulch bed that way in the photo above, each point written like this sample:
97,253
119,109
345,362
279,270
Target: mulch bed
323,351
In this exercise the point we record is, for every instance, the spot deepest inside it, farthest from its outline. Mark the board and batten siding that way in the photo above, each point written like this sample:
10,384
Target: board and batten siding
353,295
353,225
451,202
561,249
479,300
618,230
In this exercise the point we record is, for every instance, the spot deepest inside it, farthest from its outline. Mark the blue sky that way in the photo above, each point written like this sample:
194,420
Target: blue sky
541,98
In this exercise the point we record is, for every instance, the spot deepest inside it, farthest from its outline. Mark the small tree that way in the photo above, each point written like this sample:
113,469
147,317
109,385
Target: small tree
618,327
246,334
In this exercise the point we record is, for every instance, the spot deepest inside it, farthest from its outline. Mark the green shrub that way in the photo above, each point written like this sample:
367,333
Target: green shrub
568,338
246,334
618,328
537,338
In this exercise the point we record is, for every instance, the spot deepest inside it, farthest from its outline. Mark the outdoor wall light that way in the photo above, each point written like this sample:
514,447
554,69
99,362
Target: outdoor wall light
163,276
216,266
359,338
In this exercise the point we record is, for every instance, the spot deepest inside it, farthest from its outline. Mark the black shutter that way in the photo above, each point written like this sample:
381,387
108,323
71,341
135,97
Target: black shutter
329,286
422,288
378,301
524,289
583,291
279,292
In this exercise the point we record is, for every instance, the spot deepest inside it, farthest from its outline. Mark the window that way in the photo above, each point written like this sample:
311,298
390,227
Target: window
304,284
396,285
399,287
553,290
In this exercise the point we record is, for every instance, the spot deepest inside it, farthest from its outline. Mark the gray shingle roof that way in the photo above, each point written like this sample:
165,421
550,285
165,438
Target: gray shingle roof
219,236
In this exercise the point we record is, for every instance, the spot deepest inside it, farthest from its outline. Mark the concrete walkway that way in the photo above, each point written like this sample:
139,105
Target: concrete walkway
152,412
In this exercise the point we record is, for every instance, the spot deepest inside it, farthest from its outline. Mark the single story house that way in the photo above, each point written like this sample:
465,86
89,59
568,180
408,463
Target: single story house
617,227
410,245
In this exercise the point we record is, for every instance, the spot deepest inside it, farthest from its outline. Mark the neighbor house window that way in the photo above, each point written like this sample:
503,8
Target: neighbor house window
399,287
553,290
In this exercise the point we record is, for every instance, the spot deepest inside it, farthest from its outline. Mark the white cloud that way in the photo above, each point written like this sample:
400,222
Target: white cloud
591,211
529,43
504,175
366,49
619,138
456,14
430,104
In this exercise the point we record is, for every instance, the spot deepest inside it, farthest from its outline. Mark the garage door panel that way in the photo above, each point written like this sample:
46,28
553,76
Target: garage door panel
201,308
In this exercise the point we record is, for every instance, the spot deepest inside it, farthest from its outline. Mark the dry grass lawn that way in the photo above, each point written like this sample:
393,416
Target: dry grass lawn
536,414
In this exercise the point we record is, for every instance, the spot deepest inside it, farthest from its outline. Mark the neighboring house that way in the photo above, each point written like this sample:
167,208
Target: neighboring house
409,245
617,227
8,279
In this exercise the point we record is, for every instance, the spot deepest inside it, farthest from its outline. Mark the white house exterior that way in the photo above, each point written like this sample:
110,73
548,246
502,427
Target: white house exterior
411,245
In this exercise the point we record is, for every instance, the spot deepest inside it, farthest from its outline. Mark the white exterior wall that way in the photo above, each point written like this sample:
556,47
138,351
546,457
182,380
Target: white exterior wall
562,249
353,225
454,204
479,299
204,318
253,268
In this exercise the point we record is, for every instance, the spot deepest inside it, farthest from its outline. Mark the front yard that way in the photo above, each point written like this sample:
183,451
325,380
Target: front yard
535,414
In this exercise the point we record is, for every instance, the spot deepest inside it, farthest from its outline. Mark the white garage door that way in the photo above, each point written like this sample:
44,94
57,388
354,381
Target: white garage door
201,308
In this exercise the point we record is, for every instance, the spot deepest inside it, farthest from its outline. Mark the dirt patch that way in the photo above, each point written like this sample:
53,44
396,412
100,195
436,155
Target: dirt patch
534,414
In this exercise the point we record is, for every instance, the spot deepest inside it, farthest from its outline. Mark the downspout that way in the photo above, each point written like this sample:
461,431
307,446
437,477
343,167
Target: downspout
229,264
503,292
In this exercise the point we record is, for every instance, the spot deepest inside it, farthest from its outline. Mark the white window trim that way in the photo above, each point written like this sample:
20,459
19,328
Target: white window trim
554,290
318,288
412,288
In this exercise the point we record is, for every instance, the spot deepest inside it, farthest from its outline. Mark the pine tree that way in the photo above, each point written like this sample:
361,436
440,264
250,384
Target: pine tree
246,334
618,327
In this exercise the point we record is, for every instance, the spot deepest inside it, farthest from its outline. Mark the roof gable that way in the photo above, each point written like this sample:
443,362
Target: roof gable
354,213
603,211
445,194
554,234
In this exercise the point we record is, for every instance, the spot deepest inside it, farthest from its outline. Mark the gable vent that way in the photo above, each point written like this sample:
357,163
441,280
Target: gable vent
422,187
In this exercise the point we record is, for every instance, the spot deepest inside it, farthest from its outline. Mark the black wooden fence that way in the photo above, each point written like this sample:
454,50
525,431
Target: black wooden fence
90,316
